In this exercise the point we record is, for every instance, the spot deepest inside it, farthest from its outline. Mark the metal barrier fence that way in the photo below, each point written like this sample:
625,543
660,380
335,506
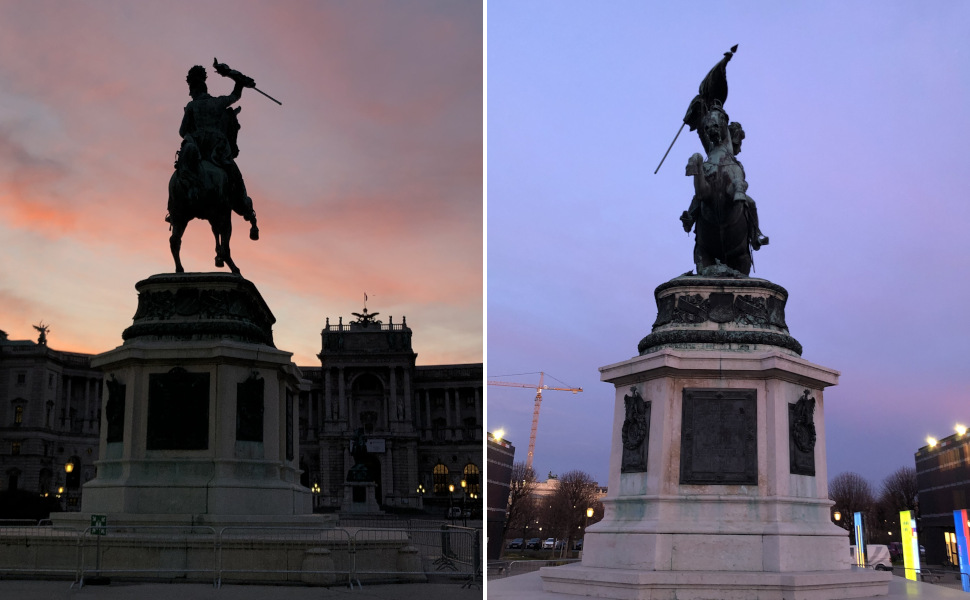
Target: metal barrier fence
175,551
299,555
302,554
507,568
23,545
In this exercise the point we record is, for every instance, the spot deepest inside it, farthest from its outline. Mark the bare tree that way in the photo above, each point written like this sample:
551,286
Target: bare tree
521,508
899,490
566,515
852,494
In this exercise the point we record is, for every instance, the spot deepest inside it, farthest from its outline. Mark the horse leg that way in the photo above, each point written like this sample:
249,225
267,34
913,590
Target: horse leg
215,234
222,245
175,242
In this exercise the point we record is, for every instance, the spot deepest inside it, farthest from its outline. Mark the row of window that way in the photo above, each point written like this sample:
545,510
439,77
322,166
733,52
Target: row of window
470,475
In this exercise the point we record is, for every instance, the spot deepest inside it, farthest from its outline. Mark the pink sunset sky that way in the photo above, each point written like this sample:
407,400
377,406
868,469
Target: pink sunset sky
368,178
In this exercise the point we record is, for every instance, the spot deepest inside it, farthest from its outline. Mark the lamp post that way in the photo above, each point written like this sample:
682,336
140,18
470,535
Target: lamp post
451,500
464,493
420,490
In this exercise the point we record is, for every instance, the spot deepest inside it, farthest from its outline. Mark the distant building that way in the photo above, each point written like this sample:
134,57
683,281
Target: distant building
50,411
501,454
423,424
943,479
550,485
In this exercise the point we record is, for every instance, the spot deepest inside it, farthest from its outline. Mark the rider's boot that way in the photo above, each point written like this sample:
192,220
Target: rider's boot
253,230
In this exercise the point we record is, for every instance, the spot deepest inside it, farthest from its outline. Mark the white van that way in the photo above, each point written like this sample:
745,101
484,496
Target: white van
877,557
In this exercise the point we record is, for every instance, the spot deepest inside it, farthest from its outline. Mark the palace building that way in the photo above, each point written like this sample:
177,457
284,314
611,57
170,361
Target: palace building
423,424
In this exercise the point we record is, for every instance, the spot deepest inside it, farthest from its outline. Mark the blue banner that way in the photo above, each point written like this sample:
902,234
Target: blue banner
961,526
860,541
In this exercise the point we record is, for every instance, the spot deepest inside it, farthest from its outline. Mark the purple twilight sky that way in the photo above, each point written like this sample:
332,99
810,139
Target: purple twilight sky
856,125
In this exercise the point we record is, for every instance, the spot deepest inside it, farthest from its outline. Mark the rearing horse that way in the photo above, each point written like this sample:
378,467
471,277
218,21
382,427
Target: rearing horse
720,208
198,190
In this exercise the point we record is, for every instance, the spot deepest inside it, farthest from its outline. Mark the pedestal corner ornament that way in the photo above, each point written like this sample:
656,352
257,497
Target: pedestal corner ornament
635,433
802,436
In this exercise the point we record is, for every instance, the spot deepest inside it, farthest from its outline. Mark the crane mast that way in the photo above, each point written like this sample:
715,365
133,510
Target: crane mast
535,410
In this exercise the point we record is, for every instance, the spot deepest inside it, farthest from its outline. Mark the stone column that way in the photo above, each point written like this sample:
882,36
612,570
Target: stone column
342,395
407,397
67,405
427,409
388,471
323,470
327,399
393,384
309,414
478,413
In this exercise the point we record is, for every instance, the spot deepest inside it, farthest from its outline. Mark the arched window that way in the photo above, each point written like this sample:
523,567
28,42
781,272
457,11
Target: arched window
440,479
18,415
472,478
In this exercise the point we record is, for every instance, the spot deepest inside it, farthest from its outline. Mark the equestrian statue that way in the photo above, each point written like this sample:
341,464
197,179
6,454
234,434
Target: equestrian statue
206,183
724,218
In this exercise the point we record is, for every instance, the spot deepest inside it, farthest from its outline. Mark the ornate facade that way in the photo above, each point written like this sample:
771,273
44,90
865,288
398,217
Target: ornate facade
423,424
50,411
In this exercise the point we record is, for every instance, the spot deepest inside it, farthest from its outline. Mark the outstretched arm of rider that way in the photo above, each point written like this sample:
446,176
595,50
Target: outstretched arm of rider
241,80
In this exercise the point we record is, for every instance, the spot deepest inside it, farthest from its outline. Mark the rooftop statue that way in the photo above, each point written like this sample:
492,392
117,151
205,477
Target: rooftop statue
206,183
43,330
724,218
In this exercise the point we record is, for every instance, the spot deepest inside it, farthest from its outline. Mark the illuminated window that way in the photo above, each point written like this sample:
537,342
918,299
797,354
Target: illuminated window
15,448
473,479
951,547
18,416
440,479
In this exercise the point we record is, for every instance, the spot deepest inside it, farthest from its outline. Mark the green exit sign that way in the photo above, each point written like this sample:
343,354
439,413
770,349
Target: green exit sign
99,524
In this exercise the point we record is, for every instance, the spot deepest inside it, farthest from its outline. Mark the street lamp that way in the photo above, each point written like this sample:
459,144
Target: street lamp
451,500
464,493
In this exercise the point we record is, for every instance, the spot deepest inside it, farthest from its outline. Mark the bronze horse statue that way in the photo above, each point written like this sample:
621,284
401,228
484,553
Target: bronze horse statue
198,189
724,216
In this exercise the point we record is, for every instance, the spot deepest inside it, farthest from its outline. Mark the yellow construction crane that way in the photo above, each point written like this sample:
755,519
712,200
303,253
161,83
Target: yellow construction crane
535,412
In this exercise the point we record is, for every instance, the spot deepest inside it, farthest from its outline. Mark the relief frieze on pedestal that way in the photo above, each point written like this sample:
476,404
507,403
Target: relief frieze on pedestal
719,437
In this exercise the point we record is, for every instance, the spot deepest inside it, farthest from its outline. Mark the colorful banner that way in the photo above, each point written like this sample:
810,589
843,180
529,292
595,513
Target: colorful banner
910,545
963,534
860,541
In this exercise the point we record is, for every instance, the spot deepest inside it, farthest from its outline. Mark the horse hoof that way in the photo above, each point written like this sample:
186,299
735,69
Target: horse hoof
254,233
179,270
220,262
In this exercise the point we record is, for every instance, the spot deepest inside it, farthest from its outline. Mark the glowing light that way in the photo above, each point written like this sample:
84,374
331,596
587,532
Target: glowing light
68,467
961,429
498,435
931,441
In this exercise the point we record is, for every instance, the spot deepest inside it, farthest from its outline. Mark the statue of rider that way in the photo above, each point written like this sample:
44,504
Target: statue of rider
212,124
756,238
710,98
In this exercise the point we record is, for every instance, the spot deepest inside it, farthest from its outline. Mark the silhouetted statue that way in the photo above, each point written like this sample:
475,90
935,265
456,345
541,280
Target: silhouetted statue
358,449
207,184
43,330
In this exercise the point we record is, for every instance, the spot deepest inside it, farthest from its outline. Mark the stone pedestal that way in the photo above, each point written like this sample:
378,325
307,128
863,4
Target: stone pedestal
360,497
200,411
718,484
